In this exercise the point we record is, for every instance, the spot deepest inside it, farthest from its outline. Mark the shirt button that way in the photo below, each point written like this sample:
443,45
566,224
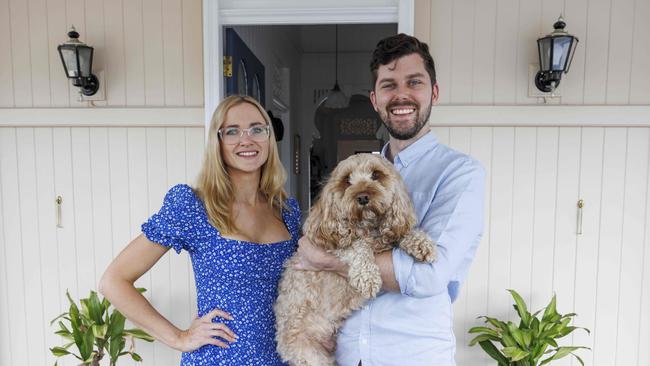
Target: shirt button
364,341
366,307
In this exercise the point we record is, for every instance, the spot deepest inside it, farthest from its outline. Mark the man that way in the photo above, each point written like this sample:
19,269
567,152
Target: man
410,322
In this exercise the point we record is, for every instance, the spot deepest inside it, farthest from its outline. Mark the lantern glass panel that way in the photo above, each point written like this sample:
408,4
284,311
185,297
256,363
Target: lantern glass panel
85,60
561,47
70,61
544,45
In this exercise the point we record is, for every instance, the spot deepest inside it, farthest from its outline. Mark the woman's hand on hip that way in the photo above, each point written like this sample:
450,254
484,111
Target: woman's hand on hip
202,331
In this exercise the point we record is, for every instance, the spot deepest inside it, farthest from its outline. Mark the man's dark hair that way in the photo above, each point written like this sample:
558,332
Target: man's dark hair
391,48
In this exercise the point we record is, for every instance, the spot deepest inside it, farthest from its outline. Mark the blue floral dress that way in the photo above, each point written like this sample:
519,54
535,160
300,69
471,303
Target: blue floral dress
236,276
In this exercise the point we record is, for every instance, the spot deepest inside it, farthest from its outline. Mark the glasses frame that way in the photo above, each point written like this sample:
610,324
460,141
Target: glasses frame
248,133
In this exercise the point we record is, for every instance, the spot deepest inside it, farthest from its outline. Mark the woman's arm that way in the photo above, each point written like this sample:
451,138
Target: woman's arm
117,286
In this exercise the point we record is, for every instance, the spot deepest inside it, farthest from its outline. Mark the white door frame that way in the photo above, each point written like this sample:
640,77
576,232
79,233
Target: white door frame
283,12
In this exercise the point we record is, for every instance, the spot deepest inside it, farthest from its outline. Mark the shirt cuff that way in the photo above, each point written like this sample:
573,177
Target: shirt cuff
403,266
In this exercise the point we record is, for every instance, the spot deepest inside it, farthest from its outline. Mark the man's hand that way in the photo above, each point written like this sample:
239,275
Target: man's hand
313,258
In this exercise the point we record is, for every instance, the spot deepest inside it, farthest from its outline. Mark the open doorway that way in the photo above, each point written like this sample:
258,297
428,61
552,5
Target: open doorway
300,67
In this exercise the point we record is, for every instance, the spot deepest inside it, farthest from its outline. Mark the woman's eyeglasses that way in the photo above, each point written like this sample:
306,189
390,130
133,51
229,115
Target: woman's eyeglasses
232,135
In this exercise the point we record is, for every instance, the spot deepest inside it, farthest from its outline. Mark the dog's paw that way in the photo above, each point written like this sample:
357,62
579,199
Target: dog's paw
420,246
367,284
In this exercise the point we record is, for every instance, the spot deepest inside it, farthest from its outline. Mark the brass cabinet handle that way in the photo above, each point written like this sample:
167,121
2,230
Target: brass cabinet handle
59,220
581,204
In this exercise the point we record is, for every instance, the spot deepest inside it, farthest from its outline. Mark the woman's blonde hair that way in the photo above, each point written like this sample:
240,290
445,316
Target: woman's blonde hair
213,184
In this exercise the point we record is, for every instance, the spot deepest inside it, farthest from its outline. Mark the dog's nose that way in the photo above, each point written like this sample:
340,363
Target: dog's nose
363,199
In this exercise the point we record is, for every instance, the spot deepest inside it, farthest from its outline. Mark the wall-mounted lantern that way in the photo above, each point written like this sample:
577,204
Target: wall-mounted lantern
556,52
77,58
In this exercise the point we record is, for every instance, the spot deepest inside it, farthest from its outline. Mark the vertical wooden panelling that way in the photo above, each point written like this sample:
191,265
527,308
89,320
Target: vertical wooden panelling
632,245
544,217
620,52
178,276
64,185
5,330
154,75
500,220
609,245
643,338
119,189
529,31
160,273
76,15
462,47
100,180
57,29
139,208
505,51
83,205
441,133
571,87
422,21
115,70
639,75
31,255
460,139
194,138
192,53
39,53
564,248
523,206
6,58
20,52
13,264
483,69
440,47
172,33
477,281
597,45
51,288
136,51
586,266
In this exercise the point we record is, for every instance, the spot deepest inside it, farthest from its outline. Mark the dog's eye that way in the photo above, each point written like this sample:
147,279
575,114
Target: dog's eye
347,180
375,175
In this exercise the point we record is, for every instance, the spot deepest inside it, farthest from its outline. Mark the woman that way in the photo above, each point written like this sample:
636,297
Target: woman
238,227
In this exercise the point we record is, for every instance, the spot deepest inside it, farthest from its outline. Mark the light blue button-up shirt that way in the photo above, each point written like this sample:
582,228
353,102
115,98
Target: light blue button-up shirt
415,326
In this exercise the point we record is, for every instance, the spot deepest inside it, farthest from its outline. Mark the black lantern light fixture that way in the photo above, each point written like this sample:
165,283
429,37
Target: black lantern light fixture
77,58
556,52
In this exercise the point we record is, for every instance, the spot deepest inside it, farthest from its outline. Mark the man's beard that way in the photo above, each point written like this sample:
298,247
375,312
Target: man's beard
421,118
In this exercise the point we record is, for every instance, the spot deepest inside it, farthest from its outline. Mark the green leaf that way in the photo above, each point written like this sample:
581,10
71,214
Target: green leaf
483,330
116,324
515,353
517,335
58,317
550,311
493,352
140,334
136,357
484,337
561,352
95,308
87,344
99,331
495,323
521,307
508,340
59,351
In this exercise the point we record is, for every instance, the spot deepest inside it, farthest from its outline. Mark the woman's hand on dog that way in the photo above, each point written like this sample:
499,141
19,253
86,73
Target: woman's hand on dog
202,331
313,258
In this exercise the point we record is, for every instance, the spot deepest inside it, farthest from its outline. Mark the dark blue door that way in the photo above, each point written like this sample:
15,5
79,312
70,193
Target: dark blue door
246,74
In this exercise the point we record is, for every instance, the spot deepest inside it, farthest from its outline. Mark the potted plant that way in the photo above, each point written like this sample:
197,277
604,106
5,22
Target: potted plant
95,332
533,342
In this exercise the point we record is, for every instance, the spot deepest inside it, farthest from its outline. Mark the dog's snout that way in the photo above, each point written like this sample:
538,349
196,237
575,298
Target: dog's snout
363,199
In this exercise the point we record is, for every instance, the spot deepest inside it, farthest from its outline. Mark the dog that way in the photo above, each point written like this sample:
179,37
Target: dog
363,209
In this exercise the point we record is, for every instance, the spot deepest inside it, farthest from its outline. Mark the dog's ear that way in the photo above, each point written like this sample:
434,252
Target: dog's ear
400,218
323,225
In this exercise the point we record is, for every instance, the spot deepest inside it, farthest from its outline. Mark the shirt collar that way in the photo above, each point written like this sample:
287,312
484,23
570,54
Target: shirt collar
414,151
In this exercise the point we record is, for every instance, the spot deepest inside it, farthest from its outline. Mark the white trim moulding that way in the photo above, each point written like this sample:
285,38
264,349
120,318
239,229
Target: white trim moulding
441,115
102,117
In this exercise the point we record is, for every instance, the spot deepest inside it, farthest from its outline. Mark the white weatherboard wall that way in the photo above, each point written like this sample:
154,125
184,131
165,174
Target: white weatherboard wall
111,180
535,178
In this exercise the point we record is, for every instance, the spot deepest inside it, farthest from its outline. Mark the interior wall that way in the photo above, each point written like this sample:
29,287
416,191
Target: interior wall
278,47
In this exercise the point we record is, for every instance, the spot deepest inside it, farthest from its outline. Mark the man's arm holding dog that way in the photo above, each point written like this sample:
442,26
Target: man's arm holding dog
453,220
